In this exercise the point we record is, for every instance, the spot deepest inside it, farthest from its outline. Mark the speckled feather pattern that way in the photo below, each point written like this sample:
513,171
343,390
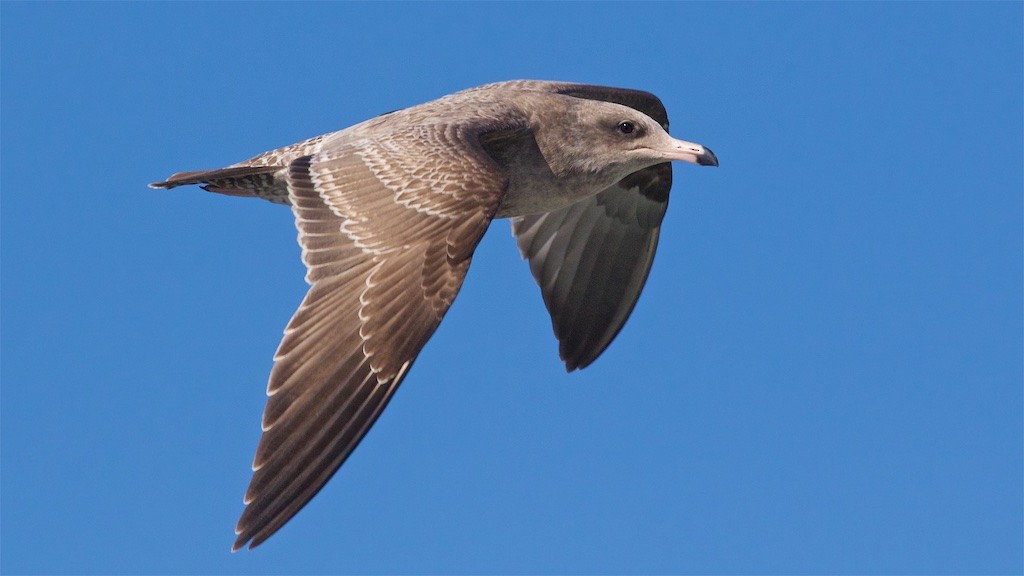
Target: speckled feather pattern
389,213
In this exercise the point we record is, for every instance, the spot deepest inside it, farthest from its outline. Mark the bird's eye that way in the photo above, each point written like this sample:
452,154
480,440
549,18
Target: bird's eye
626,127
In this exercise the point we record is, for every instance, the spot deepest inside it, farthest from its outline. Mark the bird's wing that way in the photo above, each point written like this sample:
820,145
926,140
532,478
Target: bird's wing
387,228
592,258
636,99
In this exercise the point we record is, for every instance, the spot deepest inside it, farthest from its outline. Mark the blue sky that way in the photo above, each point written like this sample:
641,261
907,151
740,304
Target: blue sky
824,374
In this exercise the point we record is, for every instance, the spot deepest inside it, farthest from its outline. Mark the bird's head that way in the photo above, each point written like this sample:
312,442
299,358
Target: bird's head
611,140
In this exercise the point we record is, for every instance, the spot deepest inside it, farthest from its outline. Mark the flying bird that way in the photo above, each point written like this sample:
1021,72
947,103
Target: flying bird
389,213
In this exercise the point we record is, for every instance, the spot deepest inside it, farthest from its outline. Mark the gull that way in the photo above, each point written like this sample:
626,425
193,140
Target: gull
389,213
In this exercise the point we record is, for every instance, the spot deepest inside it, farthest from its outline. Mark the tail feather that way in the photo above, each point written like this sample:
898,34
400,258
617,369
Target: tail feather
255,181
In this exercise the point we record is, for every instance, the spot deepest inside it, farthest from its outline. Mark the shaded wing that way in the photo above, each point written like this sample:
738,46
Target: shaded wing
592,258
387,229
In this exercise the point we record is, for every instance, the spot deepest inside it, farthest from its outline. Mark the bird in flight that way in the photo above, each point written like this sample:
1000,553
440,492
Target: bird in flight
389,213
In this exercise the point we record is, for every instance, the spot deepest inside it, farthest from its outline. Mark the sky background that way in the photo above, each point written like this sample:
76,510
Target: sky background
824,373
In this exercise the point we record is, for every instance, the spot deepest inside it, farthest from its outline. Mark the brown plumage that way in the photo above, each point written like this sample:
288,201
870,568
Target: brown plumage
389,213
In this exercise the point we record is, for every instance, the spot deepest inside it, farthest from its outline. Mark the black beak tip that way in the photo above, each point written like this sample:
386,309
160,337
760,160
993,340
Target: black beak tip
708,158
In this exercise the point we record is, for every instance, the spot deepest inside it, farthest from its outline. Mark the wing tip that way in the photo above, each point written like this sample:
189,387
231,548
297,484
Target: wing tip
575,363
240,541
252,537
247,538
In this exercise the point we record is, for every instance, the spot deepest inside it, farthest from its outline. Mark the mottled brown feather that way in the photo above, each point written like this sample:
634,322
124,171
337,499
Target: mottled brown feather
405,251
389,213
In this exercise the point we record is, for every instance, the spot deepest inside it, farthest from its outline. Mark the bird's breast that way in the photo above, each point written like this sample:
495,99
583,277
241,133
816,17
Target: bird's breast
534,187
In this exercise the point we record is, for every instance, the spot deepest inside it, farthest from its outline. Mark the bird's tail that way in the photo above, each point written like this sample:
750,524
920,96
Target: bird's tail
254,181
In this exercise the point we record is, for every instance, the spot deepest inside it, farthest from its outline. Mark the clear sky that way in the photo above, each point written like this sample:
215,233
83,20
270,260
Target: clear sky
824,374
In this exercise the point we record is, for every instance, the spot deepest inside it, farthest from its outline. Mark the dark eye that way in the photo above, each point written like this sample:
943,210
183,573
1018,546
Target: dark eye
626,127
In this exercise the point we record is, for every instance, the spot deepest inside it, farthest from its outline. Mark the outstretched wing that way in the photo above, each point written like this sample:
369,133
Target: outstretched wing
387,228
591,259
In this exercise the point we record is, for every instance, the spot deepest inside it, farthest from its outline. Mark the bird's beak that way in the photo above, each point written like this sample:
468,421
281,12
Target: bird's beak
690,152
